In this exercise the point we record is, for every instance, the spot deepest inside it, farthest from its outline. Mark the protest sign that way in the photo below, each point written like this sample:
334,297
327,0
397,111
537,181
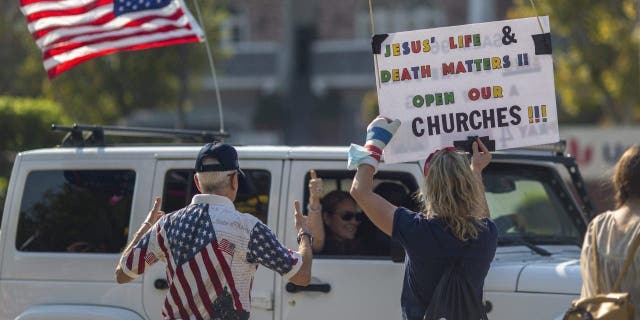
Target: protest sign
446,84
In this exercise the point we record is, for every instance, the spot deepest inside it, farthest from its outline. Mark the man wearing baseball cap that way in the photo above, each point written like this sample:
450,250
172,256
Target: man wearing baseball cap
212,250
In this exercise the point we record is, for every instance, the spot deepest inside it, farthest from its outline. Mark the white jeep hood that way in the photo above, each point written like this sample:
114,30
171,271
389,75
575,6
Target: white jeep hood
518,269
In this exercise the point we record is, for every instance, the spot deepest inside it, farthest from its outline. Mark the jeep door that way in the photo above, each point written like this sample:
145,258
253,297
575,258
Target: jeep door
363,286
174,181
65,227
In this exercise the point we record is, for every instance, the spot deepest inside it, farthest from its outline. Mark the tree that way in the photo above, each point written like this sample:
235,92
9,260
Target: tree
107,88
596,50
26,124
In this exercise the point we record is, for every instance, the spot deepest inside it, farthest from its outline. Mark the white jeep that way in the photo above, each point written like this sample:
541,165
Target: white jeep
70,210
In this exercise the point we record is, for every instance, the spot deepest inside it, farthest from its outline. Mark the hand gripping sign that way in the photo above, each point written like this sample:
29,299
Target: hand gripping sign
490,80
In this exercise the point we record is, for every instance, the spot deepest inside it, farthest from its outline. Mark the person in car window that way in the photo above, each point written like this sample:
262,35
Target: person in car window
333,220
455,224
211,249
617,232
367,239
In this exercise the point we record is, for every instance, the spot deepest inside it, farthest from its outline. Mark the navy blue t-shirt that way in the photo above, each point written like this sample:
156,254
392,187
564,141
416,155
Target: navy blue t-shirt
430,248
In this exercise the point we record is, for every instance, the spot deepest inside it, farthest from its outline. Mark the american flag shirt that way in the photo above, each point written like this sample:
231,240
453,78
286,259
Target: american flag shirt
212,252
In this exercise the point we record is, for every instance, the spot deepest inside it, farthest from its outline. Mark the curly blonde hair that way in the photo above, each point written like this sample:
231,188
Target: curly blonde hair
452,194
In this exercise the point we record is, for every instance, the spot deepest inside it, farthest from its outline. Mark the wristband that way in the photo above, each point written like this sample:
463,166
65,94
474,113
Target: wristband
309,209
302,234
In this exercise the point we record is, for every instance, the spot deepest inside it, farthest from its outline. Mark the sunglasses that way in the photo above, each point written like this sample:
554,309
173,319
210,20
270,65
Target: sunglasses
349,215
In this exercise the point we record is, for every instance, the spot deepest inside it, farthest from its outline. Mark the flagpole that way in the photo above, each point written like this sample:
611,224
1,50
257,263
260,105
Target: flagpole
211,66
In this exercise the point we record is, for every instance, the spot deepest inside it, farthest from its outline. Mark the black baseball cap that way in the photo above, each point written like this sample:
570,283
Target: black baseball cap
227,160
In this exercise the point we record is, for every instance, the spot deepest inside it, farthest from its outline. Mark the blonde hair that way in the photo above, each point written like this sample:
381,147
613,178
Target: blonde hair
626,177
452,194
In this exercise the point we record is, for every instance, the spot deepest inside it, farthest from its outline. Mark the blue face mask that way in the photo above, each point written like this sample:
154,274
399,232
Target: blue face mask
356,156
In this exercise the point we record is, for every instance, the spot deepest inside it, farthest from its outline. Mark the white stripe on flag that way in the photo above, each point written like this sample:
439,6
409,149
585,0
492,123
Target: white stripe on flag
193,287
122,43
58,5
150,26
217,267
117,23
182,292
70,20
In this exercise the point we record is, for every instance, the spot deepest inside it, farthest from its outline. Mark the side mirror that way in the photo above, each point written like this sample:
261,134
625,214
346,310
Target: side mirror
497,184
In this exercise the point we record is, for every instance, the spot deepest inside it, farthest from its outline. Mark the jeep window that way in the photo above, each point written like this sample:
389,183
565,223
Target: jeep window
179,188
75,211
529,203
395,186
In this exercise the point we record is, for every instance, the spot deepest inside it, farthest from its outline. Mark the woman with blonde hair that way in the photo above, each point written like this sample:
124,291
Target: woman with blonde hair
454,228
617,234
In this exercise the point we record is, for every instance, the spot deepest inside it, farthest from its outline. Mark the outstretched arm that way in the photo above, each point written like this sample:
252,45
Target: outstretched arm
316,226
303,276
379,210
365,160
479,160
152,218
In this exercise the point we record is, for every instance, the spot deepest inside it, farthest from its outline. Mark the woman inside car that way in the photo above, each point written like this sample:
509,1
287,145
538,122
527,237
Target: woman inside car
333,220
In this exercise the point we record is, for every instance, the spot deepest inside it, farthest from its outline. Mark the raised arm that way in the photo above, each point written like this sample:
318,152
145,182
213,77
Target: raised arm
479,160
379,210
316,225
303,276
154,215
265,249
365,160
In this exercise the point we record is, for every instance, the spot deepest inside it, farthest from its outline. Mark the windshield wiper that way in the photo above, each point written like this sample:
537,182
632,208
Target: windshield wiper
558,240
521,241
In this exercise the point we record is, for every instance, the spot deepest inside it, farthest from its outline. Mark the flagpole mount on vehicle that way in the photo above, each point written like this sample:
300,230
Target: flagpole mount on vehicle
211,66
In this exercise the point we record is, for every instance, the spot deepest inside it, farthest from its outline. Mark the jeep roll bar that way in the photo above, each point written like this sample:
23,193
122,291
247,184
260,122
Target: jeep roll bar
95,136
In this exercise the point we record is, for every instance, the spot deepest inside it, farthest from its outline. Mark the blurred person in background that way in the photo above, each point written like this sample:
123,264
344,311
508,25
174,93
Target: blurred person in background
617,236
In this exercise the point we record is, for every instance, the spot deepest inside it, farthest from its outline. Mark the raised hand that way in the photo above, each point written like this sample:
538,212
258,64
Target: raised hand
315,187
480,158
300,220
379,133
155,214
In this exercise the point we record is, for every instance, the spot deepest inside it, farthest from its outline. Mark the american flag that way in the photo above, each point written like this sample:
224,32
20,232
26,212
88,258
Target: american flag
70,32
265,249
199,258
227,247
198,266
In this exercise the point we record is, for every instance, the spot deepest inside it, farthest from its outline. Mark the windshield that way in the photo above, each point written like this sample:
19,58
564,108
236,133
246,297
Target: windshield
528,203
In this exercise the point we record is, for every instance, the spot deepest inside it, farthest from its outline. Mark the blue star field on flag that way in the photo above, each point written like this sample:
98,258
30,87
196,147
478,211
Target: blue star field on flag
265,249
190,232
121,7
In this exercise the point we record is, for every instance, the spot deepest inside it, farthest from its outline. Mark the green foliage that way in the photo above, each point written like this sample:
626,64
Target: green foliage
26,124
596,57
4,183
107,88
369,106
98,91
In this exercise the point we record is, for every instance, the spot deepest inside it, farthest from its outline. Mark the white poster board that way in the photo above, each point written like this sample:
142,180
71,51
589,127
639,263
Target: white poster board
485,79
